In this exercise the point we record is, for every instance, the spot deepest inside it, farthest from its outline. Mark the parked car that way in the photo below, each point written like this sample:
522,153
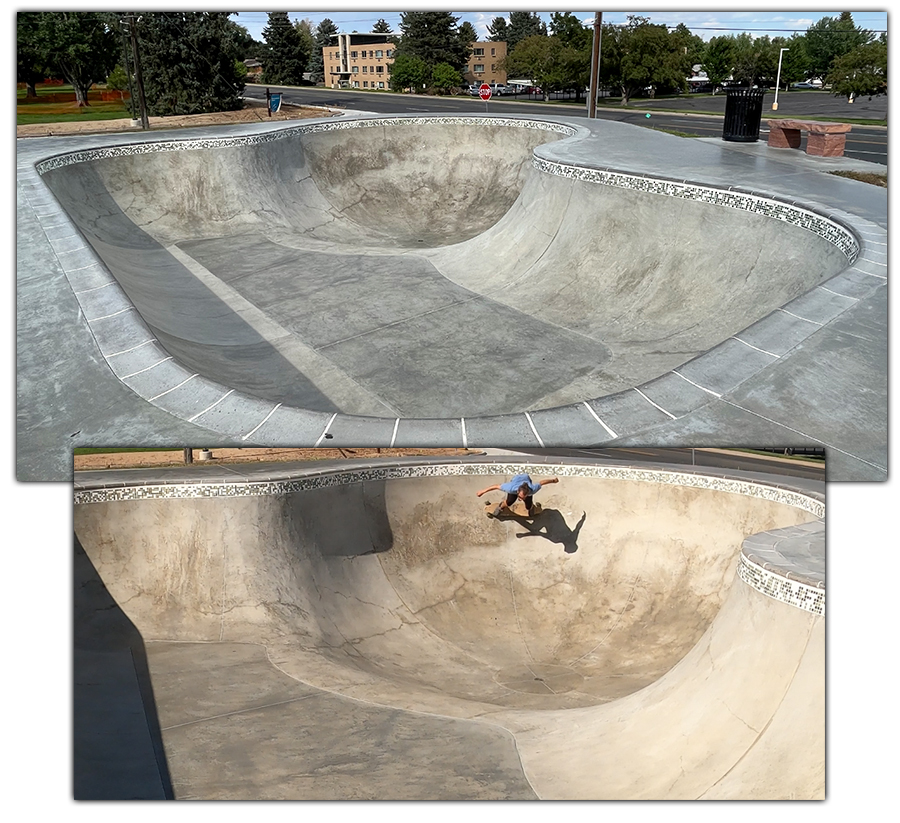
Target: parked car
806,85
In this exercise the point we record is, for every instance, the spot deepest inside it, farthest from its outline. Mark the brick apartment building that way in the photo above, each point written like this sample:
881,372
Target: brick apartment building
364,60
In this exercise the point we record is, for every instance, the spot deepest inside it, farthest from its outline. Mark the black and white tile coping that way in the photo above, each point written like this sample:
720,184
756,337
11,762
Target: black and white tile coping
759,565
119,331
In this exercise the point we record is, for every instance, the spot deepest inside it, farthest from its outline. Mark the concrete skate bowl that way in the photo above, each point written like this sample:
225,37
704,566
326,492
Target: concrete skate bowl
622,638
387,268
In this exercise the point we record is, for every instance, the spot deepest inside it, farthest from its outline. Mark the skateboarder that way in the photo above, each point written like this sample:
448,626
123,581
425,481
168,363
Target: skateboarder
521,487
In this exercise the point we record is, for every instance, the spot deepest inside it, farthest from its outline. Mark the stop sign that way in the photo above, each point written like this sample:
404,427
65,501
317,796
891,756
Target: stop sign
485,91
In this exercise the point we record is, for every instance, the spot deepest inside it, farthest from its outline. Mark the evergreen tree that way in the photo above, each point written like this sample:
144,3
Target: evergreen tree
324,32
432,36
287,58
188,62
306,31
382,27
467,34
498,30
523,24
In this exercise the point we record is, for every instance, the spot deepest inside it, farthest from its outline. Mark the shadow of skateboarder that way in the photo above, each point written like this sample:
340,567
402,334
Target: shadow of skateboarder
552,526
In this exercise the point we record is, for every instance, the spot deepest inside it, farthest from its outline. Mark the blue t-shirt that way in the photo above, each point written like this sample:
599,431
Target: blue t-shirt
513,485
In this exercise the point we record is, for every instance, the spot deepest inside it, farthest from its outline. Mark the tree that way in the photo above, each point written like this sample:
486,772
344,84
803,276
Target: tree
794,62
244,43
467,34
287,58
409,72
307,36
717,60
434,37
79,46
862,71
382,27
550,64
570,30
445,77
29,59
498,30
640,55
754,60
188,62
523,24
324,32
691,45
831,38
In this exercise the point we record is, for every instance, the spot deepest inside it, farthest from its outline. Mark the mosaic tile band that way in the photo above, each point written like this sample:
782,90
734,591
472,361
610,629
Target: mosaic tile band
803,218
793,593
779,587
827,229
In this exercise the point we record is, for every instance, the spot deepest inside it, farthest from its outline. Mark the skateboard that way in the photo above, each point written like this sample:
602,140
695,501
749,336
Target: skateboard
516,510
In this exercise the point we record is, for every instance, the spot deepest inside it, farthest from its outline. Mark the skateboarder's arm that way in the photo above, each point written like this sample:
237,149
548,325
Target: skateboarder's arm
488,489
548,480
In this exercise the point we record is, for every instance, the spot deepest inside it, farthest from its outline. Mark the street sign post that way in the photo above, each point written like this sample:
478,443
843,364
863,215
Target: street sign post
484,91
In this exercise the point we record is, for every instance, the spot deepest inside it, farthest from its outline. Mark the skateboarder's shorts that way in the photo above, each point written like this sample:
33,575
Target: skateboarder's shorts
511,498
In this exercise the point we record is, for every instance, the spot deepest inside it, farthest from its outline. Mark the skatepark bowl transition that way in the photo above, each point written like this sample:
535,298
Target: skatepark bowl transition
305,632
475,281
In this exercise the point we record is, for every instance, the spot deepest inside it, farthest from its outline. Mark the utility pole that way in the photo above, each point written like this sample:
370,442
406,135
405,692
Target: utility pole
145,121
595,66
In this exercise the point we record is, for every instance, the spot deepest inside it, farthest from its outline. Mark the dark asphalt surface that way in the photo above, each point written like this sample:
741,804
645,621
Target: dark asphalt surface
701,115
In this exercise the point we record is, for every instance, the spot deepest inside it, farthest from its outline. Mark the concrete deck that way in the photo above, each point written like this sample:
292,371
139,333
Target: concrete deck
657,633
238,364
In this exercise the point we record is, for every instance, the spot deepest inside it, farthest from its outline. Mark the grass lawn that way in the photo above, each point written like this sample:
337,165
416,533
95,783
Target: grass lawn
67,112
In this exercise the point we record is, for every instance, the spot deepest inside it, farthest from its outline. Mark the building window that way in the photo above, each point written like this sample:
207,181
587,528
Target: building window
381,85
493,52
390,53
478,68
356,84
379,69
365,69
478,52
379,53
354,69
365,84
353,54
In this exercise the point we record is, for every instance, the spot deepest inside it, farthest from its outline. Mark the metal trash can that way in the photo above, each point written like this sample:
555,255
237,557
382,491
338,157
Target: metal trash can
743,113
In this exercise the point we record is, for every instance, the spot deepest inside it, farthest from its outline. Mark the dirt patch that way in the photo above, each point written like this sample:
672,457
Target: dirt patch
864,177
141,460
250,114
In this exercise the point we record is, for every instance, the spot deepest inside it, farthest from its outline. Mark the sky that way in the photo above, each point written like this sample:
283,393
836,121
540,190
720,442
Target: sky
705,23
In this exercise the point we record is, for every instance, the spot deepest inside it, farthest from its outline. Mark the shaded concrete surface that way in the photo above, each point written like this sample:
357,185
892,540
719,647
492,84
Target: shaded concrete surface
606,649
282,295
117,745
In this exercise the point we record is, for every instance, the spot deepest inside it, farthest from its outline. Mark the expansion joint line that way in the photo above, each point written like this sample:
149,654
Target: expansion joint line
512,591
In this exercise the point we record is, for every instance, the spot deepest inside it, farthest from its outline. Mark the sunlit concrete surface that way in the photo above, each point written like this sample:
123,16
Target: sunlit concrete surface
462,280
366,631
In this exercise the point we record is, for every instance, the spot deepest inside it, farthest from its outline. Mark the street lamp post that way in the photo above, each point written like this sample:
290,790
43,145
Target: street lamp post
778,79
